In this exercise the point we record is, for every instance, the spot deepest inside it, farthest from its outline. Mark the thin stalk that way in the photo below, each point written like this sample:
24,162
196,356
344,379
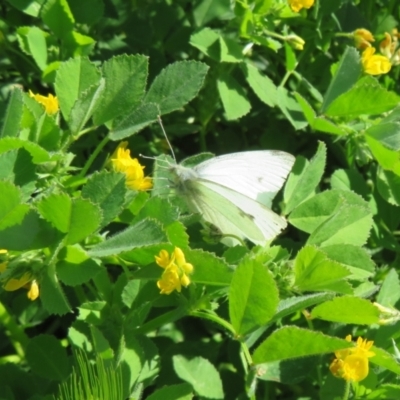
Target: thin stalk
346,391
93,156
15,333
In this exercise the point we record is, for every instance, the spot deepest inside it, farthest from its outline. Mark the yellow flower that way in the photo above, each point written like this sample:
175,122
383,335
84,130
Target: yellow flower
297,5
363,38
388,47
15,284
33,292
25,281
122,162
175,271
50,102
374,64
352,364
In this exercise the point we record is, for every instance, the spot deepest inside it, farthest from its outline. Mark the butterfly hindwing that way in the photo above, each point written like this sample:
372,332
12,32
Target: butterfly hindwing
234,213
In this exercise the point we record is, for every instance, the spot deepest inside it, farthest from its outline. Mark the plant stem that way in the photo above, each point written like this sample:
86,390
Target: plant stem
346,391
96,152
14,332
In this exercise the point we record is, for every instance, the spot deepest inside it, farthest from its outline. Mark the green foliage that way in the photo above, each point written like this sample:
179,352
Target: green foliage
83,226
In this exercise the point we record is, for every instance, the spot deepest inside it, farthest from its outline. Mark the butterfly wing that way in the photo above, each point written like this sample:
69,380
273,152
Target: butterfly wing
256,174
234,213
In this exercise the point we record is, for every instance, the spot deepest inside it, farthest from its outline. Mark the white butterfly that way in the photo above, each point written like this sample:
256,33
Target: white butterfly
234,192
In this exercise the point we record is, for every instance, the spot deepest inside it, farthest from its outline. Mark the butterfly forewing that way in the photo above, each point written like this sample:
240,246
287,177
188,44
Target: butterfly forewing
256,174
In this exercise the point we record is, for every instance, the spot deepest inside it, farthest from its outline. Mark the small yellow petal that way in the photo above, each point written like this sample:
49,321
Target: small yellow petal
15,284
297,5
169,281
121,161
374,64
3,266
33,292
363,38
163,259
50,102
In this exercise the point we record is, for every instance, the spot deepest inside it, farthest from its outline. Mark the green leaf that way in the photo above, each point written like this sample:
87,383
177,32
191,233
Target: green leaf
310,214
107,190
233,97
73,79
75,267
160,209
13,115
347,74
388,134
366,97
125,81
298,303
253,296
143,233
389,293
182,391
208,269
51,293
291,342
290,108
39,155
12,211
207,41
85,106
388,185
350,179
57,15
101,344
385,360
33,42
314,271
88,11
134,121
201,374
385,391
317,123
356,259
48,358
130,292
31,233
350,224
231,51
304,179
261,84
77,218
176,85
30,7
207,10
347,310
17,166
387,159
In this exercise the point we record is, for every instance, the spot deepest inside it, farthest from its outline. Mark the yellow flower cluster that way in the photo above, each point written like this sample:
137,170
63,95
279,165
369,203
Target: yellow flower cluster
374,64
25,281
352,364
297,5
175,271
389,47
122,162
363,38
50,102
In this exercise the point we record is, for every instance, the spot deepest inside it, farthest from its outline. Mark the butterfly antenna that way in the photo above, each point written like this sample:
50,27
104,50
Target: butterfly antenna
166,137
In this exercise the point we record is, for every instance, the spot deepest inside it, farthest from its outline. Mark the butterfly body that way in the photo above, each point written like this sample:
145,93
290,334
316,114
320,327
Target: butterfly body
234,192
